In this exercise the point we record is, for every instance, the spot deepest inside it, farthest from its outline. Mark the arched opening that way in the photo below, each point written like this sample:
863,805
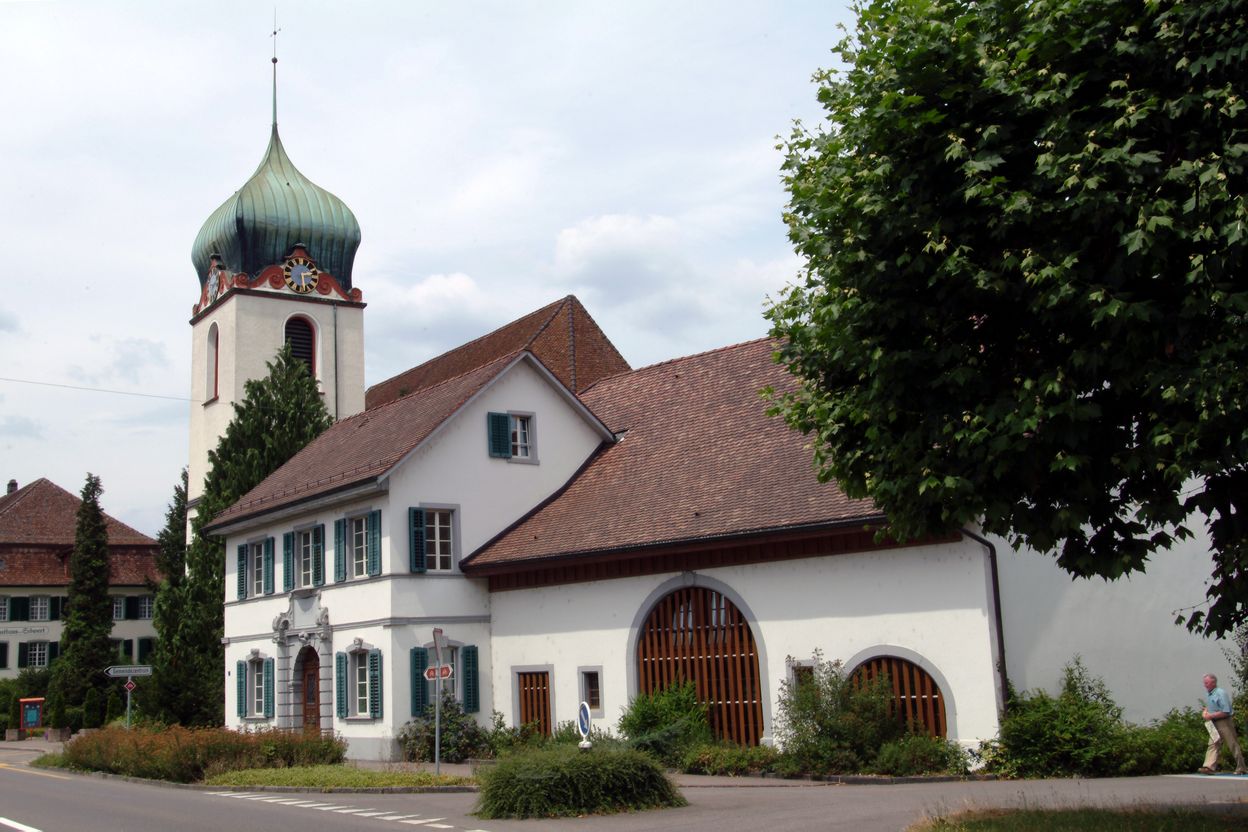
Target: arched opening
302,340
697,634
308,689
214,363
917,700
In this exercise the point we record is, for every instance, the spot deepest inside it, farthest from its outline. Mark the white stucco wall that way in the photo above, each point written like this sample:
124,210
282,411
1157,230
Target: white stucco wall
1123,629
928,604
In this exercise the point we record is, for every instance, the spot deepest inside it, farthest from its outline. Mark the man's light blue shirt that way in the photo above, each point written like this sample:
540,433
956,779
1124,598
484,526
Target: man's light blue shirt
1219,701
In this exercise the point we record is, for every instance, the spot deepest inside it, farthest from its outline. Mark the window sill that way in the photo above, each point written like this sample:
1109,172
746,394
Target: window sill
360,719
523,460
252,720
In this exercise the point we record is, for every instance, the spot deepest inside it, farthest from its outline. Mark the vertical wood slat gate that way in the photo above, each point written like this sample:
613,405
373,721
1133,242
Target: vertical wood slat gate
917,699
534,687
696,634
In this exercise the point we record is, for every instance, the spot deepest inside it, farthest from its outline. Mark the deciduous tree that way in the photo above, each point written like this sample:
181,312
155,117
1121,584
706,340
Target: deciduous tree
1024,303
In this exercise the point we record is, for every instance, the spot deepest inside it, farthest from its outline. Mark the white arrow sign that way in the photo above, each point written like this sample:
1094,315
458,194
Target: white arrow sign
119,670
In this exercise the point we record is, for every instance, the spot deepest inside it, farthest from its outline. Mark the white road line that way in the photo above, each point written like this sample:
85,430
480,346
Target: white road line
419,822
286,801
440,826
333,807
395,817
351,811
369,814
20,827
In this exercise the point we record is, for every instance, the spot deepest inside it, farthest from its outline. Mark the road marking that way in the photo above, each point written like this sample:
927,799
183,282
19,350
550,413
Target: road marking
333,807
351,811
25,770
20,827
440,826
369,814
419,822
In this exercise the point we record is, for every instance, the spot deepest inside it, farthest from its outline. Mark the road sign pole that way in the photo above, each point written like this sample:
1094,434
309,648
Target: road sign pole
128,688
437,702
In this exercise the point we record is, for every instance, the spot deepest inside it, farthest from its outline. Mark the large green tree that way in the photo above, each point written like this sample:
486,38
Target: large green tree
86,651
1024,302
278,416
165,696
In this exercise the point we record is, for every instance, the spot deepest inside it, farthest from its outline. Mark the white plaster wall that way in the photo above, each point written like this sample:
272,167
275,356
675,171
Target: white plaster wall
929,604
1123,629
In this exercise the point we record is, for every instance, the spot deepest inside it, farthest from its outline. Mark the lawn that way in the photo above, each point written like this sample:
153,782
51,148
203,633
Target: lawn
1087,820
334,777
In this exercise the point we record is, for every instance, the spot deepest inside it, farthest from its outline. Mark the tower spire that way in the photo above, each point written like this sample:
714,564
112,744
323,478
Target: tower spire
274,36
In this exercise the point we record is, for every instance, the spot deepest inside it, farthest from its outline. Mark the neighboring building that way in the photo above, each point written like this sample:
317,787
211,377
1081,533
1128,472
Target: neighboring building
37,526
583,531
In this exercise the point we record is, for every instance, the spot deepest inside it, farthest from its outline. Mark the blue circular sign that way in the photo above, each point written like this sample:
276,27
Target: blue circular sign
582,720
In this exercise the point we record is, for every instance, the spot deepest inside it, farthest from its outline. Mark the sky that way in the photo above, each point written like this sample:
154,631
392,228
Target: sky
498,156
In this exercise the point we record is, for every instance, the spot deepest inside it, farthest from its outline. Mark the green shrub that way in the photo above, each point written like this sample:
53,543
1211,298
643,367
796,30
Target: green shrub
461,737
184,755
54,710
1170,745
667,724
729,759
920,754
827,723
563,781
92,709
1078,733
73,719
115,708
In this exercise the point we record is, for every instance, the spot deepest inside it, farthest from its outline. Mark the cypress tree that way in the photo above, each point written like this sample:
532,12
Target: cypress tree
85,647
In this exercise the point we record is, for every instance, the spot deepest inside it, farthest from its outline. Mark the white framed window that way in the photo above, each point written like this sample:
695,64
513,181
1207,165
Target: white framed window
147,605
255,567
359,683
37,654
119,608
303,558
358,675
357,528
255,670
439,540
4,608
512,436
591,689
521,436
39,611
305,552
254,685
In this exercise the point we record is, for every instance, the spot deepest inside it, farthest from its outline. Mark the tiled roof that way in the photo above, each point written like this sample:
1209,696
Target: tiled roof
364,446
561,335
37,529
42,512
699,459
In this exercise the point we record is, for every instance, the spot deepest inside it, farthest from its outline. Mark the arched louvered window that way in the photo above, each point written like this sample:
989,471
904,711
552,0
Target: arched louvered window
214,363
696,634
917,700
302,341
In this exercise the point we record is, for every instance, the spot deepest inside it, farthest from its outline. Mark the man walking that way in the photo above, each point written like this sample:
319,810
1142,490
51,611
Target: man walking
1218,713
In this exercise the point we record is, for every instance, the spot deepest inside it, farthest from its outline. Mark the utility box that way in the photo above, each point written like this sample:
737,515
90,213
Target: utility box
32,712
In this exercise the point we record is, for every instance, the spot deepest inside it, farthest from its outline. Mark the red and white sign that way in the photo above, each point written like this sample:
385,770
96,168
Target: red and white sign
431,673
129,686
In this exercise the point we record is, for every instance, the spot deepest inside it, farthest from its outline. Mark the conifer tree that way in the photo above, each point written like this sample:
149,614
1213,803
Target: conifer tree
277,417
85,647
165,695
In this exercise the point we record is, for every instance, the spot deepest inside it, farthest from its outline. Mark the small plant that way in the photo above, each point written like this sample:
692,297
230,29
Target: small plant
462,737
920,754
829,723
667,724
563,781
730,759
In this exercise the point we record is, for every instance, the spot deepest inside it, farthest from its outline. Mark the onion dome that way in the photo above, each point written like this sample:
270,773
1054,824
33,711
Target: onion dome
277,208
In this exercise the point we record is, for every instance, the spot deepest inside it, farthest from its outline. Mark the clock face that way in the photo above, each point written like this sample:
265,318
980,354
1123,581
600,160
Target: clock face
214,283
301,275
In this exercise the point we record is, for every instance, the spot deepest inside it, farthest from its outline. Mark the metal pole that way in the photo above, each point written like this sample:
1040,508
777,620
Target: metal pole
437,716
127,703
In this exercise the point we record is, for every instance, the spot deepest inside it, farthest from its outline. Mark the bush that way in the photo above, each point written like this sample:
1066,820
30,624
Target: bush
462,737
920,754
827,723
729,759
667,724
73,719
563,781
54,710
92,709
184,755
115,708
1173,744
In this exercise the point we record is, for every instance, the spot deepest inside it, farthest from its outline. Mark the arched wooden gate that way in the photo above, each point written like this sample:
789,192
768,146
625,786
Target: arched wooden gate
917,700
696,634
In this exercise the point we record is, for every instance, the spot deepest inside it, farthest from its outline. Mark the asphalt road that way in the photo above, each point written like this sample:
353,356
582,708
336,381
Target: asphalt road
52,801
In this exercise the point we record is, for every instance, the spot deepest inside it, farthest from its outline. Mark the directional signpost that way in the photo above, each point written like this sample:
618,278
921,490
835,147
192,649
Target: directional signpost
129,671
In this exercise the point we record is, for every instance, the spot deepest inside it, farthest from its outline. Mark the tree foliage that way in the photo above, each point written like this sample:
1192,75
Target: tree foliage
86,650
278,416
1024,303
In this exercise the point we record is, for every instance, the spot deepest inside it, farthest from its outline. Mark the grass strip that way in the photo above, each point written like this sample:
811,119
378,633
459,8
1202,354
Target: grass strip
1086,820
334,777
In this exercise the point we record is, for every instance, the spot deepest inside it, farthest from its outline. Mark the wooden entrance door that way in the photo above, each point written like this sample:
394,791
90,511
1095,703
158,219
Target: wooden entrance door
697,635
534,690
311,677
917,700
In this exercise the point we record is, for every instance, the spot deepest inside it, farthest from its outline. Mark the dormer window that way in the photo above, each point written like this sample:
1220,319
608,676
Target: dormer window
511,436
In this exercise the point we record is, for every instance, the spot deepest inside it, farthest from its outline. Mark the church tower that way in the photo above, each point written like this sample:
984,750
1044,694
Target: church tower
274,265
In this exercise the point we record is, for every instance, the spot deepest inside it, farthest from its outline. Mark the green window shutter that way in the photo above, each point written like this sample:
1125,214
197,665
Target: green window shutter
145,649
268,688
19,609
54,608
242,576
268,566
288,561
420,688
132,607
340,550
374,542
23,654
340,683
127,650
4,655
472,687
374,684
318,556
499,430
54,651
240,687
416,538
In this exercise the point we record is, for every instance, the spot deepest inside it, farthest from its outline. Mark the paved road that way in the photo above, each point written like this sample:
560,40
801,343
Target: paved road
51,801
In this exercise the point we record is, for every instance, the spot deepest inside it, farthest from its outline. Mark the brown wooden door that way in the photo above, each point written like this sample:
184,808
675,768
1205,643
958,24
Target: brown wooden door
534,690
311,691
917,700
697,635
